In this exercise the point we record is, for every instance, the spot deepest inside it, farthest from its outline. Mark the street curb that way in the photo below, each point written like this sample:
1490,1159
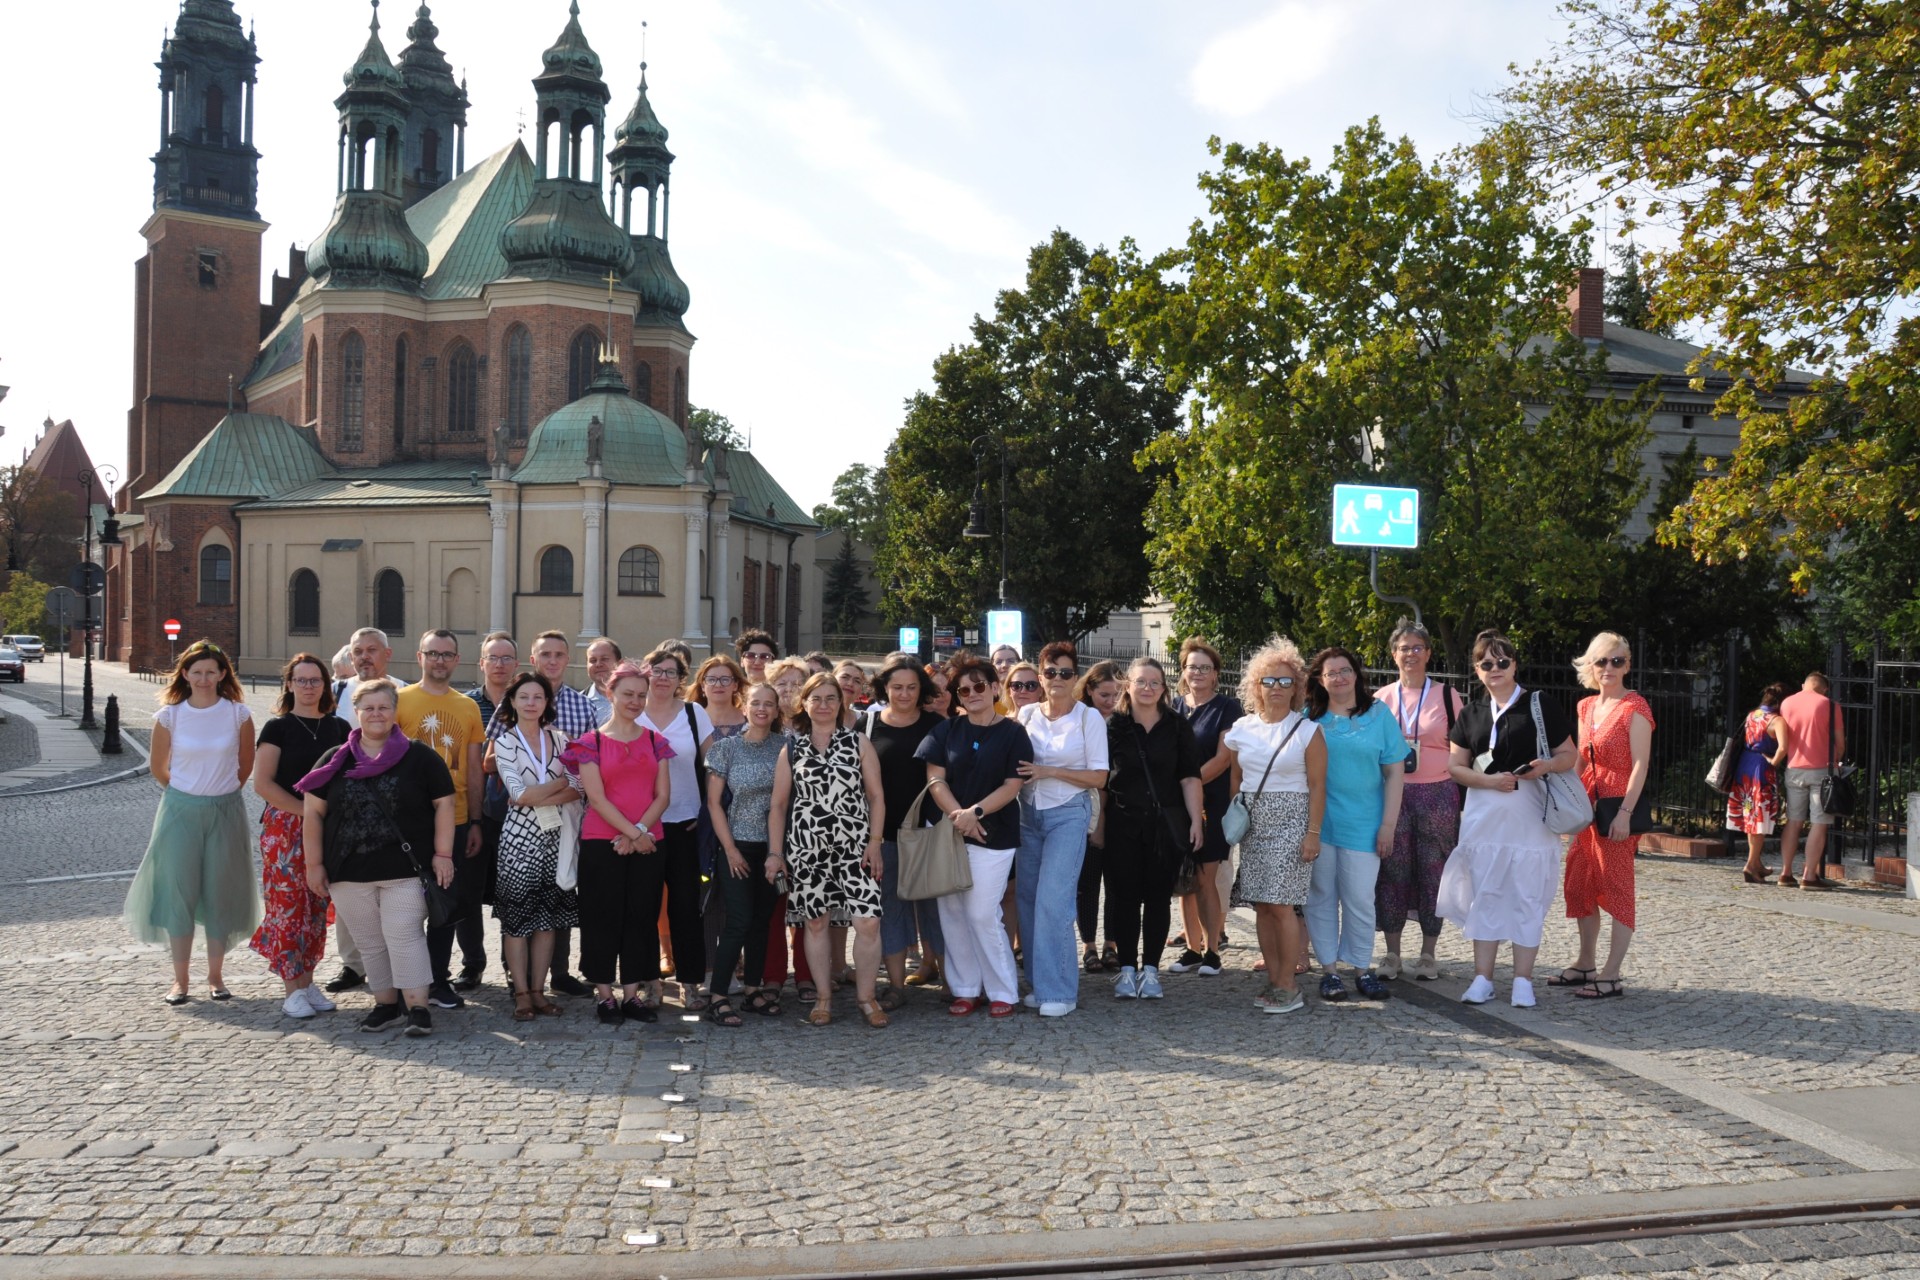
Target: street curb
1266,1243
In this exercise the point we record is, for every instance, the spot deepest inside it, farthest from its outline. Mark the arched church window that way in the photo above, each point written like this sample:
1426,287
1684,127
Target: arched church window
519,380
214,120
680,397
583,356
639,572
643,383
216,574
353,393
390,602
313,380
303,603
463,391
556,571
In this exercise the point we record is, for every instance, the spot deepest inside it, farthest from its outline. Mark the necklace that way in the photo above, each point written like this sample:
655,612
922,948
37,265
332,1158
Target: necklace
313,730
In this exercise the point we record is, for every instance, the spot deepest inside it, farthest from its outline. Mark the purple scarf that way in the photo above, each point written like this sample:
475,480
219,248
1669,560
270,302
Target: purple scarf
364,765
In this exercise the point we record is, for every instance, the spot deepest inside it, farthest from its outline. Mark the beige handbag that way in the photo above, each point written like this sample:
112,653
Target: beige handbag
933,860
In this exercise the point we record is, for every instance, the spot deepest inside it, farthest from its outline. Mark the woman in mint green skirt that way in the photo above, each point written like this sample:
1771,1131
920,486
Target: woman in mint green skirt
198,870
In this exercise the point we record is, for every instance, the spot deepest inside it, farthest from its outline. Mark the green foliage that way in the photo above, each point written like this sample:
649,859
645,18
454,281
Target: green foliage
1629,301
1775,140
859,503
23,606
40,523
1389,321
710,427
845,596
1073,411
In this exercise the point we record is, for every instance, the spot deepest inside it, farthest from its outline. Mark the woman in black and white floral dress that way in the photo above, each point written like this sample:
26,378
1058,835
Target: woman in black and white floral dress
534,891
828,841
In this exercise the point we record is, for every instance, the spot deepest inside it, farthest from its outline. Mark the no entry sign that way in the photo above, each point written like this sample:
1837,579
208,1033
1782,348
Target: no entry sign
172,627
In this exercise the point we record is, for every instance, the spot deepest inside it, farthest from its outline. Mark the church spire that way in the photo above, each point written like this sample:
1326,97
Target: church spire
641,162
434,142
206,160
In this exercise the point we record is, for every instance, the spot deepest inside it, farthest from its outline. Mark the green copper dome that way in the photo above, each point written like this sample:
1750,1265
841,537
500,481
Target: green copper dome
637,445
373,69
571,54
663,294
563,233
368,245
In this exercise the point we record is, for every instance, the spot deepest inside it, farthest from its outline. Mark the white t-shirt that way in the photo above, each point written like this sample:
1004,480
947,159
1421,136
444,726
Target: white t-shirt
203,758
343,700
684,801
1254,741
1077,740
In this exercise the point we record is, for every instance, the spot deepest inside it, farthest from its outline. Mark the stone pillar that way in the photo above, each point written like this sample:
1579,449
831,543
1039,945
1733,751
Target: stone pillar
499,601
593,615
721,568
690,628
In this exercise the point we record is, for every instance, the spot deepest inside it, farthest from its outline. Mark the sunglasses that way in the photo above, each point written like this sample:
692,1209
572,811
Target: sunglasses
1495,664
1276,682
1060,673
1616,662
968,690
1024,686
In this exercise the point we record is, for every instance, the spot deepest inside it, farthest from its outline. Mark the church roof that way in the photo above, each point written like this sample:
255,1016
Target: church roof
440,483
639,444
246,455
281,350
461,223
60,456
756,492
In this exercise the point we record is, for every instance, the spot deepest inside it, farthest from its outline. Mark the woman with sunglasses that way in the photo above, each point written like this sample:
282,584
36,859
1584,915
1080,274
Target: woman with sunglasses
1069,764
1279,770
1616,750
973,763
1023,687
1210,712
1429,824
1099,689
1510,858
688,730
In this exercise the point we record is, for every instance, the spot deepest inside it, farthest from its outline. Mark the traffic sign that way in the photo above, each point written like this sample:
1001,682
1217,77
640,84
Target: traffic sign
1366,515
172,627
87,578
909,639
61,602
1003,627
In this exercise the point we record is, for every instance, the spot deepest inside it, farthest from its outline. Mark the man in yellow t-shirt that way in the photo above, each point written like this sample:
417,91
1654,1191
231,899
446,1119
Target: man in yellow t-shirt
432,712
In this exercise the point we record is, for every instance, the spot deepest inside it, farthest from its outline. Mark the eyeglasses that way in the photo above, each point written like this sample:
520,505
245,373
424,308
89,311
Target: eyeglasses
722,679
1341,674
438,655
1411,650
1060,673
1276,682
500,657
306,682
1023,686
1495,664
968,690
756,655
1197,671
1616,661
665,673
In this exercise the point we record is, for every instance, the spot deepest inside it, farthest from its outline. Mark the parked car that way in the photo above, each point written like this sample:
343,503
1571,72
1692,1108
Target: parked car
30,647
13,666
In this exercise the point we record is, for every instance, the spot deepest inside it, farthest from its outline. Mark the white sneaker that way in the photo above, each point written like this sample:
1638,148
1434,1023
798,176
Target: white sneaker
1030,1000
1479,991
1056,1008
1125,987
317,1000
1389,967
1523,993
295,1005
1150,984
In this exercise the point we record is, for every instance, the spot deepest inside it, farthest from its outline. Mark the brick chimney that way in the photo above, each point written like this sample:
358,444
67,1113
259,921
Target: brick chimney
1586,303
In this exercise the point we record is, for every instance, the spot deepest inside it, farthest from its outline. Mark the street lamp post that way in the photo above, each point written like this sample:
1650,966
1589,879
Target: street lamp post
109,537
977,510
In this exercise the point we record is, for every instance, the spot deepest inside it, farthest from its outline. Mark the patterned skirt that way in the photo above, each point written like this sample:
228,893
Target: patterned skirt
1270,867
526,899
293,931
196,872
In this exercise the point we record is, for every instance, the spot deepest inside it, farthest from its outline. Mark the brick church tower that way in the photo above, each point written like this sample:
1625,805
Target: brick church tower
197,320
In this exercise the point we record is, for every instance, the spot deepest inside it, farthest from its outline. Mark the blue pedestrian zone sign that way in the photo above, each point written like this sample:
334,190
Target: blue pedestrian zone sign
1003,627
1366,515
909,639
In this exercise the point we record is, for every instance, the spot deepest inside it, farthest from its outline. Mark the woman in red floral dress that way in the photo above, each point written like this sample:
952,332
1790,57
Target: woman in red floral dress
1753,802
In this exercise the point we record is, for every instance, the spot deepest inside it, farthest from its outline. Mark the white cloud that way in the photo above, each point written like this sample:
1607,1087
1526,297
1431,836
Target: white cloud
1243,70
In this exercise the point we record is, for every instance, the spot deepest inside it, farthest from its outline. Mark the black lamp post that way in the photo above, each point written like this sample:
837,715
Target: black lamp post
109,537
977,510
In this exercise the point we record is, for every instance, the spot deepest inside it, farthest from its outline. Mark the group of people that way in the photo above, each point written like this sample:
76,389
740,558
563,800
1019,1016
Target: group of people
1789,745
713,822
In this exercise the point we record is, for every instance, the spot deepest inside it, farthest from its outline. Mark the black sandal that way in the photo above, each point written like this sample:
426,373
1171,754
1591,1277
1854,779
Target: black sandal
1561,979
763,1004
720,1012
1091,963
1110,957
1592,990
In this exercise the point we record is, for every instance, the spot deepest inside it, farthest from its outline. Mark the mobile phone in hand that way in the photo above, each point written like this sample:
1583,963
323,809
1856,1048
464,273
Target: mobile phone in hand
1523,770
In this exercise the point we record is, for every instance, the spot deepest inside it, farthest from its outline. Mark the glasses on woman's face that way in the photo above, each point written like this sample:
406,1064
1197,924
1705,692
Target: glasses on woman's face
1617,661
1411,650
305,682
1337,674
1495,664
1023,686
1060,673
667,674
720,681
1276,682
971,690
1197,669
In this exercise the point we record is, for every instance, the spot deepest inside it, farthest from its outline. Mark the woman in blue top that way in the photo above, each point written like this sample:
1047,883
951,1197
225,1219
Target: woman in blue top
1366,768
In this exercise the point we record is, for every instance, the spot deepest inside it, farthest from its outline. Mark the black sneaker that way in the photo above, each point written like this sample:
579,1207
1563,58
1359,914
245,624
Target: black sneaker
633,1008
1189,961
469,980
441,995
1210,965
384,1017
1372,986
568,985
608,1011
419,1022
347,980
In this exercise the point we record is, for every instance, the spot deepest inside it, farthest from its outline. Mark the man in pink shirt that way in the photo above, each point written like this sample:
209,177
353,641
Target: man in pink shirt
1808,714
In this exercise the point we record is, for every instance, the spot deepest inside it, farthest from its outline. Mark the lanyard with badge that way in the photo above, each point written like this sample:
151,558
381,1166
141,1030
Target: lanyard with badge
1485,758
547,816
1410,730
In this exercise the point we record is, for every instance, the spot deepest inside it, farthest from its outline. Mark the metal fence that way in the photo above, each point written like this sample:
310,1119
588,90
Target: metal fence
1880,700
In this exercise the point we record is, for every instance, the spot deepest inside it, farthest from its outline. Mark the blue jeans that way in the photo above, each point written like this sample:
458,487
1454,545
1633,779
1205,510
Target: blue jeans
902,921
1340,906
1053,843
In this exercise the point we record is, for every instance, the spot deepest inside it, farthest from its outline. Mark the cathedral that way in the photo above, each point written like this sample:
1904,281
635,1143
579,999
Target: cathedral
465,405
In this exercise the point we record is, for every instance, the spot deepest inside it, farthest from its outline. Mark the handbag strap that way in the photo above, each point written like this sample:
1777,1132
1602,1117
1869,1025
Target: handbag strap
1146,765
1275,758
1832,755
910,820
406,846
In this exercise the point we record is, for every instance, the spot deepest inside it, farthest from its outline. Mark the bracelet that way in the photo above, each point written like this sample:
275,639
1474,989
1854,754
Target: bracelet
1313,831
447,856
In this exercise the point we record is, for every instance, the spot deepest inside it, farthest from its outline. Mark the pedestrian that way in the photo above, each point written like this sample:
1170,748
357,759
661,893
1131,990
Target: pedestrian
539,844
824,833
856,690
1022,685
740,774
1753,801
371,652
603,655
1507,857
1099,688
623,767
378,818
499,661
719,687
1004,657
1615,753
687,729
196,869
1279,771
973,762
1366,769
818,663
342,664
756,649
941,702
293,928
1429,824
1153,824
901,722
1208,712
1069,741
1818,734
787,676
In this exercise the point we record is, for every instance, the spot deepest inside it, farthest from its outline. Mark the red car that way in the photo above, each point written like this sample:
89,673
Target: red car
13,666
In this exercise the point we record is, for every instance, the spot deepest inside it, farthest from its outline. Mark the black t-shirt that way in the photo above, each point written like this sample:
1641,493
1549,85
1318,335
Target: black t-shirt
902,773
1209,720
1517,741
1169,750
302,742
360,839
979,762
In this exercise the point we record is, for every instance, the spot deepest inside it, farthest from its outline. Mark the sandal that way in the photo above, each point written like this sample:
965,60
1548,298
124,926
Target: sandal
1786,881
758,1001
893,999
807,993
543,1006
1092,963
1592,990
720,1013
870,1010
962,1007
699,1002
523,1006
1110,957
819,1016
1572,977
1757,877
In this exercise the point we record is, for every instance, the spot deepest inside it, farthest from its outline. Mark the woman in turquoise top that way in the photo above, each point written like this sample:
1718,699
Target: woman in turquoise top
1366,768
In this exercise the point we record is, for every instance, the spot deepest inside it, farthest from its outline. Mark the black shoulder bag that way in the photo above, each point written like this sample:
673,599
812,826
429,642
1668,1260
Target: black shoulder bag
1838,796
442,905
1173,831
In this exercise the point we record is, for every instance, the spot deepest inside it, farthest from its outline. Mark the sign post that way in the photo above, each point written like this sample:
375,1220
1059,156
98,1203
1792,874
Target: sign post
1004,627
909,640
59,604
1374,516
172,627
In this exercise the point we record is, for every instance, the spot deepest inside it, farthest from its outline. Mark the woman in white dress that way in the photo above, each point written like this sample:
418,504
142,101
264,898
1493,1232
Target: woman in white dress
1509,856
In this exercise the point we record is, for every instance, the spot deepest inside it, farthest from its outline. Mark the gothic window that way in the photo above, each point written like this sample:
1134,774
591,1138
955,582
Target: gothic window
353,393
680,397
303,604
313,380
582,357
643,383
399,392
430,155
390,602
556,571
463,391
216,574
639,572
519,380
750,594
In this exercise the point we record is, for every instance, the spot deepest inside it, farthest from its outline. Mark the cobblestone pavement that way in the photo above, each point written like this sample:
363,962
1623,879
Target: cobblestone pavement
128,1127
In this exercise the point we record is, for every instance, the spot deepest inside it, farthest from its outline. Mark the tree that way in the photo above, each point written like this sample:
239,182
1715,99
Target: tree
1384,321
709,427
40,523
845,597
1775,140
1629,301
859,503
23,605
1072,410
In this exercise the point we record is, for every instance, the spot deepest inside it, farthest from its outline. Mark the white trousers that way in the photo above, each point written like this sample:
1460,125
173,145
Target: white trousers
979,958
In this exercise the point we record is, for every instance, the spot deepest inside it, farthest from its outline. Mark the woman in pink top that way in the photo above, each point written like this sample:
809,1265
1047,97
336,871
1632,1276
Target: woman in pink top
622,765
1429,824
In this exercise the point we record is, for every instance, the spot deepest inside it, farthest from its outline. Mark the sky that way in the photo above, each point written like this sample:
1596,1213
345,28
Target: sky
854,181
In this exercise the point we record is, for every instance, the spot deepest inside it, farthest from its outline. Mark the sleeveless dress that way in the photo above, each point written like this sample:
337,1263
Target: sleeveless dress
1599,872
827,832
526,897
1753,802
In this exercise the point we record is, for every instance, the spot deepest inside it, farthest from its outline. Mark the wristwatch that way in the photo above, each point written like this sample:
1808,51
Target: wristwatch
978,812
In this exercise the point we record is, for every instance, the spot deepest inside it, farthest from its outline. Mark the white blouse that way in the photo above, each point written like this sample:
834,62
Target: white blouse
203,754
1077,740
1254,741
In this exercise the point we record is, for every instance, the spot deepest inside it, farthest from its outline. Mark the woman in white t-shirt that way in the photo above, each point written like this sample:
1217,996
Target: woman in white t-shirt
688,729
1280,772
197,869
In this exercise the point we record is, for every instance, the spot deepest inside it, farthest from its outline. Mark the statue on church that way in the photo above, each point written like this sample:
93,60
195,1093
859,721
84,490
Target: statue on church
596,439
502,440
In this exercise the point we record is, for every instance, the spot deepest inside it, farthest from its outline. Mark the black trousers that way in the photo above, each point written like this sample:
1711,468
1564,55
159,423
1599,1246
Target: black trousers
471,877
750,903
619,913
1092,871
681,849
1139,889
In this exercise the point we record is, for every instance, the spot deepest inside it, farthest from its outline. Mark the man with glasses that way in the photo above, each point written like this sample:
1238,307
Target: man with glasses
756,650
370,651
431,712
499,663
